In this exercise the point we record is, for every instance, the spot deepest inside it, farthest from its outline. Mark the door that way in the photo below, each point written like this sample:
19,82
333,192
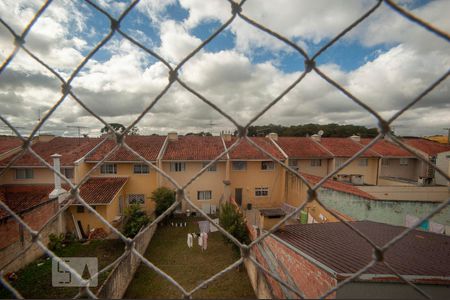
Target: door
238,196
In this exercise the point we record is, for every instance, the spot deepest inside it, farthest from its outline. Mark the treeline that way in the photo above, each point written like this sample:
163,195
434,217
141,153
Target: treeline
329,130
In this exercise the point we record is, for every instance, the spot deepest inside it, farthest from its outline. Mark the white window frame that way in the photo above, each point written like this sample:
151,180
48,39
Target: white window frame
108,168
212,168
261,191
135,199
293,162
363,162
141,169
204,195
404,161
243,165
385,161
315,162
24,173
268,165
177,166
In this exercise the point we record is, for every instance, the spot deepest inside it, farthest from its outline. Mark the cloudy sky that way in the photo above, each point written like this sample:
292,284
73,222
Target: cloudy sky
386,61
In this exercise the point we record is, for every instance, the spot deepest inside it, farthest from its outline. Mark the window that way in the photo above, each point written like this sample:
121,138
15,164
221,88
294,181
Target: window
363,162
136,198
68,172
339,162
24,173
261,191
316,162
177,166
385,162
404,161
267,165
108,169
212,168
204,195
239,165
141,169
293,162
80,209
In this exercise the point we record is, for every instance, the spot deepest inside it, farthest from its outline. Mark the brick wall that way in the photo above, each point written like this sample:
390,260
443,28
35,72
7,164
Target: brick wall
14,239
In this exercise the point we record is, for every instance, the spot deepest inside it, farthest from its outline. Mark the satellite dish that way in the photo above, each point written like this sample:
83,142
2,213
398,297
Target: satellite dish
320,133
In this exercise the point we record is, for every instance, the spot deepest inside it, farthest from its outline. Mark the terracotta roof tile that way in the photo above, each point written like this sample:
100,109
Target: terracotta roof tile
194,148
247,151
339,248
301,147
344,147
8,143
101,190
429,147
71,150
20,198
338,186
386,148
147,146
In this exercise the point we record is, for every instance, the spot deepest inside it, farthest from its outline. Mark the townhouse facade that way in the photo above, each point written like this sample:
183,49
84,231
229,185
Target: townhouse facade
245,174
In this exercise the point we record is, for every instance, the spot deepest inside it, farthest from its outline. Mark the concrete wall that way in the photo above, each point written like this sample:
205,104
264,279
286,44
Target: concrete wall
409,193
379,290
254,177
208,181
385,211
40,175
117,282
13,239
443,163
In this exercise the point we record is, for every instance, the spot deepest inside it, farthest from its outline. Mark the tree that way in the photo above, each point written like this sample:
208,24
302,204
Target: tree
135,219
116,126
134,130
163,198
233,221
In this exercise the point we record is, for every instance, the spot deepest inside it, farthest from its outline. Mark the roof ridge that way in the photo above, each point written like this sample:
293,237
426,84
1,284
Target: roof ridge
323,147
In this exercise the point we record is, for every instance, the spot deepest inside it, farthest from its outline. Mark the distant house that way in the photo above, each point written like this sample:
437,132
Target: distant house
314,258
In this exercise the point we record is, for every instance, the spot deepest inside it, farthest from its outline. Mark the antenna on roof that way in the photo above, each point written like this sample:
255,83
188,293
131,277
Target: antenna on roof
320,133
79,130
211,124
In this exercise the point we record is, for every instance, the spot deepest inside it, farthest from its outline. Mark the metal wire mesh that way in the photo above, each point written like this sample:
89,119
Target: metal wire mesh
310,66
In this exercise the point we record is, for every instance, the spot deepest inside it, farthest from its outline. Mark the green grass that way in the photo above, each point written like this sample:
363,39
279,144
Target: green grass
36,282
189,267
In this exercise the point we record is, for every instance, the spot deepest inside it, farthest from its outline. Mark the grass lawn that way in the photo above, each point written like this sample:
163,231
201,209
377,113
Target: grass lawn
168,251
36,282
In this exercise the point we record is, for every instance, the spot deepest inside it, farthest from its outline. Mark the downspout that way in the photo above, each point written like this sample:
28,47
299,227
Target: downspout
159,160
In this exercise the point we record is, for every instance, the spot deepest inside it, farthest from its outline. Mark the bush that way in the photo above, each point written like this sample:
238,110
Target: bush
56,241
164,198
233,221
135,219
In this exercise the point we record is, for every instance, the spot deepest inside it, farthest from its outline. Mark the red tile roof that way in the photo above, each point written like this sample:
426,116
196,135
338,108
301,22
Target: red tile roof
194,148
344,147
20,198
245,150
338,186
386,148
301,147
71,150
429,147
147,146
8,143
339,248
101,190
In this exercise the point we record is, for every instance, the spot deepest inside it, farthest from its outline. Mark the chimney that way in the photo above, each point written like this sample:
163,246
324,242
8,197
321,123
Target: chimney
316,137
226,135
355,138
273,136
58,190
173,136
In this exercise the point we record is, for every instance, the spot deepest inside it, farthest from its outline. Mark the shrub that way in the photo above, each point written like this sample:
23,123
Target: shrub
135,219
56,241
233,221
164,198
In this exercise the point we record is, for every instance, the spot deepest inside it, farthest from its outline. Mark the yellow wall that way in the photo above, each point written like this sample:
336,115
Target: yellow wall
369,172
208,181
254,177
136,184
40,175
305,166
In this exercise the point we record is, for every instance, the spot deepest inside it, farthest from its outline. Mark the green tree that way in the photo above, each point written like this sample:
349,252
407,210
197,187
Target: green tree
135,219
163,198
233,221
116,126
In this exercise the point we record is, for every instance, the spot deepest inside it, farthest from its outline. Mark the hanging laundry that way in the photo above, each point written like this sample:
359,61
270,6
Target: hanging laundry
190,240
410,221
205,240
200,241
436,227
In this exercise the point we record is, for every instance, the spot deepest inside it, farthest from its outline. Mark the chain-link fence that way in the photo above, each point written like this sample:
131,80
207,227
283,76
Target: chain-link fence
237,11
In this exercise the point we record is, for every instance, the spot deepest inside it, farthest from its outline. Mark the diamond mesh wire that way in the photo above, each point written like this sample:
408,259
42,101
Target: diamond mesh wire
120,140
